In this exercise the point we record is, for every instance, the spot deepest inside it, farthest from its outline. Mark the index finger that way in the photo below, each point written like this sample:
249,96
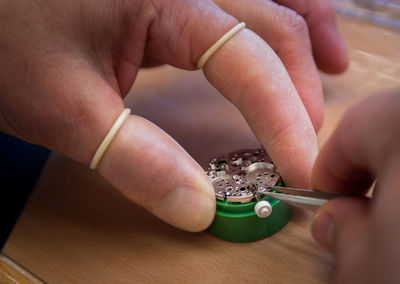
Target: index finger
249,74
329,50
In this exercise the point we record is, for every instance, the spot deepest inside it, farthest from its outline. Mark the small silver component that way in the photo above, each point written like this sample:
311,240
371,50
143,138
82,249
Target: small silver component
237,175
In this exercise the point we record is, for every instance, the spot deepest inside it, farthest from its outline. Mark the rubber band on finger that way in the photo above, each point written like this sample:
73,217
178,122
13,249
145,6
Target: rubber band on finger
108,138
220,42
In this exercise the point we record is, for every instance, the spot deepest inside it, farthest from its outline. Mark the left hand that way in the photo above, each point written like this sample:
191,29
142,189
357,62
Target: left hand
67,65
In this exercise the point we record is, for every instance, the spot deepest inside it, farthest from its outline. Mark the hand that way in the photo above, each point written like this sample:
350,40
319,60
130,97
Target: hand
67,65
363,234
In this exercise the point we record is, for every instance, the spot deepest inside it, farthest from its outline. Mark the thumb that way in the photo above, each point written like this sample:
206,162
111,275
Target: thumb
144,163
340,223
151,169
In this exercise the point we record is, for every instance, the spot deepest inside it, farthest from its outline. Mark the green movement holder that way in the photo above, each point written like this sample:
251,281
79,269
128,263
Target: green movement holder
238,222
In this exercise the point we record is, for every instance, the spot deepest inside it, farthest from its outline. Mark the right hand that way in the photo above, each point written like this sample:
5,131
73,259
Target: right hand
363,234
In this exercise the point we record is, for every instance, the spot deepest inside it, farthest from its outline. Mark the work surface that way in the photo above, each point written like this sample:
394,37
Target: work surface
78,229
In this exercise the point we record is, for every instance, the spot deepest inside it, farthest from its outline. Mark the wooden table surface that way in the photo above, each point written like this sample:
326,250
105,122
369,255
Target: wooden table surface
76,228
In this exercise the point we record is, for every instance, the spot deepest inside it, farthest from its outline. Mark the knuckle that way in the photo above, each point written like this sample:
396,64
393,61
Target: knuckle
173,37
297,24
151,8
292,22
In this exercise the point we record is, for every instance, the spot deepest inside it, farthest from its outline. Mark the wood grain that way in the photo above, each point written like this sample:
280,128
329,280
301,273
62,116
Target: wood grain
78,229
12,273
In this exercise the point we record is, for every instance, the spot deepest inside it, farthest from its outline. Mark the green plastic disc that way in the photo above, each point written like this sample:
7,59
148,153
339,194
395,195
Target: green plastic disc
235,177
238,222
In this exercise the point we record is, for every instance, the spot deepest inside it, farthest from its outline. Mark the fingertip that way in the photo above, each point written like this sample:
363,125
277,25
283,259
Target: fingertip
296,165
318,118
190,208
322,228
319,173
340,222
329,49
295,175
151,169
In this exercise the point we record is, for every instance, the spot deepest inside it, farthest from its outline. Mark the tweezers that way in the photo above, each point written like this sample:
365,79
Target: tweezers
303,198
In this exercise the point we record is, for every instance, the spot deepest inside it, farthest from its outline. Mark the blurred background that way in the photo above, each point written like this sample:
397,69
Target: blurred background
379,11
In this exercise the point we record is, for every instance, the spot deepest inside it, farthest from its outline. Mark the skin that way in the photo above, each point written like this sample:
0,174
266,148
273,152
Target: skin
67,65
363,234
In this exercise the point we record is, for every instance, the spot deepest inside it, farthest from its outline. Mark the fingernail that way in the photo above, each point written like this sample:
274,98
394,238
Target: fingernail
188,208
322,229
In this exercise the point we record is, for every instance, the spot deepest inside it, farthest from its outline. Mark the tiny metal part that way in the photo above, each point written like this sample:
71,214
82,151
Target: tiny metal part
242,174
253,190
240,180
